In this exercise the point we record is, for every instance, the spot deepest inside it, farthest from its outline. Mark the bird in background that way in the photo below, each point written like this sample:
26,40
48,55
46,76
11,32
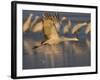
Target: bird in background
78,26
27,23
88,28
36,25
67,27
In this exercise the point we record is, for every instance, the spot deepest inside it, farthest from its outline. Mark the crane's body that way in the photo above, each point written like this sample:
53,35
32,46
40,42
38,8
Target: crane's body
51,34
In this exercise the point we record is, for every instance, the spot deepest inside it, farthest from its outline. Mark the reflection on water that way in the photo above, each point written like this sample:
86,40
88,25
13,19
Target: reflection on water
67,54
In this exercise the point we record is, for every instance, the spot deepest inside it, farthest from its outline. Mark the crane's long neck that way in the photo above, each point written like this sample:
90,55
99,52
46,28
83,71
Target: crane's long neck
69,39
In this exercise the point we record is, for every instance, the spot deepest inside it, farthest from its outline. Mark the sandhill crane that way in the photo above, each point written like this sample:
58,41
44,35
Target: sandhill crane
88,28
27,23
37,25
50,32
78,26
58,24
67,27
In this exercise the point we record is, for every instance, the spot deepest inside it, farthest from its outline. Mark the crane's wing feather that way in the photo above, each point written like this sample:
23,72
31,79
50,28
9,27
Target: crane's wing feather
38,27
27,23
77,27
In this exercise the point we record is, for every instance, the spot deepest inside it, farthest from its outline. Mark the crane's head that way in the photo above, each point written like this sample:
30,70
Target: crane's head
49,16
48,19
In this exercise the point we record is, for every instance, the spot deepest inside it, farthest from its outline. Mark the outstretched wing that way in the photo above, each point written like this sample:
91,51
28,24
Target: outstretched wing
78,26
38,27
57,25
